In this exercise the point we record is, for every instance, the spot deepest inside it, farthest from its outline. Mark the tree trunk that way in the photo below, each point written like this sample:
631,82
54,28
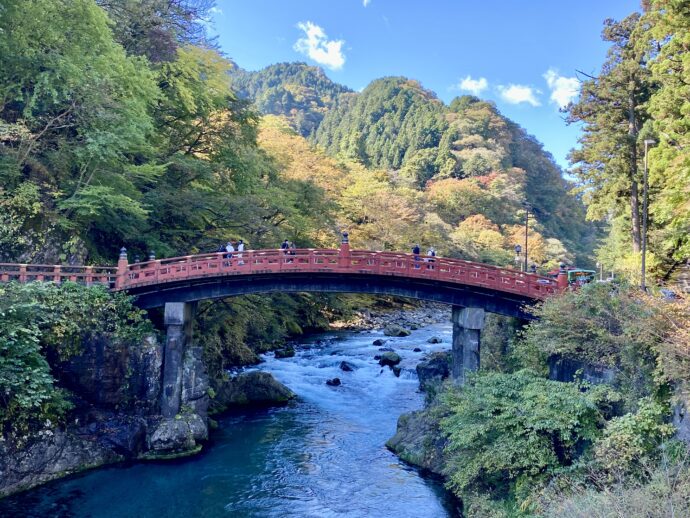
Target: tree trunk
634,195
635,216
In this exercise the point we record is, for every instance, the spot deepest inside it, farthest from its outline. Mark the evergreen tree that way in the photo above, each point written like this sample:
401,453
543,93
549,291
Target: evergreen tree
612,109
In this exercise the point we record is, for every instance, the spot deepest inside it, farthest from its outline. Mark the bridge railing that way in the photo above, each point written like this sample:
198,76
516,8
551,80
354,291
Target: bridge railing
338,261
88,275
162,271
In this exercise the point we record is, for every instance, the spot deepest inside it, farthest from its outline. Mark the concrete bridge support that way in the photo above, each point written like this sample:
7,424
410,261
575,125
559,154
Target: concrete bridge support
467,326
178,330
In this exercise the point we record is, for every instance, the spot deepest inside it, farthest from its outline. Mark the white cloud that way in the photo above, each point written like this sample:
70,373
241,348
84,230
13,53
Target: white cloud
475,86
366,2
318,47
215,10
517,94
563,89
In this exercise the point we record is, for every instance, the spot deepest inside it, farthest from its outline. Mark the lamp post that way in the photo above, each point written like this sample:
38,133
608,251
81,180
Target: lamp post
518,249
645,210
527,207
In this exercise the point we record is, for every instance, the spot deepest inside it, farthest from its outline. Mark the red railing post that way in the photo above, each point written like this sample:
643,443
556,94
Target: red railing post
22,273
89,275
57,274
344,251
122,269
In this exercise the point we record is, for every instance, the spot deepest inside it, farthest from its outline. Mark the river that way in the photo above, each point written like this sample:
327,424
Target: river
322,456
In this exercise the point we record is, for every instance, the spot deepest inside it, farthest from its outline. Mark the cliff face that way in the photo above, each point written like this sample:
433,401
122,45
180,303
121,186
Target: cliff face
116,417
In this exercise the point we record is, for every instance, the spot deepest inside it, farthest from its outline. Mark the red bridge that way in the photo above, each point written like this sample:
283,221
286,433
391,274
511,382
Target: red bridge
196,277
178,283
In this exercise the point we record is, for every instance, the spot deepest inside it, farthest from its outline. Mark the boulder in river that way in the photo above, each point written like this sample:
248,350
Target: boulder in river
390,358
395,330
434,370
417,350
346,366
386,350
335,382
434,340
397,370
287,352
177,436
379,341
256,388
418,441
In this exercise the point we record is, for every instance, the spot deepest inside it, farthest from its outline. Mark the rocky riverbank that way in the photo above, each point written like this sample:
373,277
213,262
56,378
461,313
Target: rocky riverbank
412,317
116,389
116,392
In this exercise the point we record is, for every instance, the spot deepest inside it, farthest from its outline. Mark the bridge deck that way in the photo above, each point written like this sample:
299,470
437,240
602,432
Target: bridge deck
163,271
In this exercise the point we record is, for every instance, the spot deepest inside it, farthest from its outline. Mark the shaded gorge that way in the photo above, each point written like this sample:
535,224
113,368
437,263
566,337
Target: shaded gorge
323,455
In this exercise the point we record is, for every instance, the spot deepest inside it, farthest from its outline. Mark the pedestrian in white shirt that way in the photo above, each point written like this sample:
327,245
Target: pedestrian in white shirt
240,249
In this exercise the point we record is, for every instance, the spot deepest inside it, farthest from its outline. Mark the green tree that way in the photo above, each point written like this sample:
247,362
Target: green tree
670,108
612,109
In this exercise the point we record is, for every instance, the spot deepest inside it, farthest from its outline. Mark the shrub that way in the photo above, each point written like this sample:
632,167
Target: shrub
599,324
632,439
508,432
664,492
43,320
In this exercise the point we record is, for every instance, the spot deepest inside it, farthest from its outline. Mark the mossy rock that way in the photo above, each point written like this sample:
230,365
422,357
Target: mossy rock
390,358
255,389
396,330
287,352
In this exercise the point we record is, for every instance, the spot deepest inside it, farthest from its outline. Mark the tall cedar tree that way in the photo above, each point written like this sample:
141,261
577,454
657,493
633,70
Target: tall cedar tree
670,109
612,108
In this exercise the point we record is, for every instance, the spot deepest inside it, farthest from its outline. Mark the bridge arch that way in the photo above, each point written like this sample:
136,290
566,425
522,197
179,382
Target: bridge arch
177,284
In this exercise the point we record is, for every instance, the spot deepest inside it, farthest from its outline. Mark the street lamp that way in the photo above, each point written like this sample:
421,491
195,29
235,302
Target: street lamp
645,210
528,208
518,249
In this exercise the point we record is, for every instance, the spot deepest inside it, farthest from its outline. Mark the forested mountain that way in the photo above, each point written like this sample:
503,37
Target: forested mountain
385,125
465,160
302,93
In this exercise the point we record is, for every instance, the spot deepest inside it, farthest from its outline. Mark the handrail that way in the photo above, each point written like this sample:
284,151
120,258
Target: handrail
89,275
272,261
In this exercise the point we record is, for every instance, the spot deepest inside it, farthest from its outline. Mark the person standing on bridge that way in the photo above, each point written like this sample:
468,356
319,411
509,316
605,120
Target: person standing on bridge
229,249
431,257
415,252
285,246
240,249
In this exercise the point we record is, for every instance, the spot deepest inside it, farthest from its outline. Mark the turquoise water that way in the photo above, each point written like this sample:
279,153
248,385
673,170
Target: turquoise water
323,456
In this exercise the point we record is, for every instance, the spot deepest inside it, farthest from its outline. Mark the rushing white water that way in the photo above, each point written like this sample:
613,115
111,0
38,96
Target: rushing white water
323,456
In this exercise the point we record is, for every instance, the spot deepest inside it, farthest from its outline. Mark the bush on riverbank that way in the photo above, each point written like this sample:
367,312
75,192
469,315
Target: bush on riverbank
507,433
42,324
522,445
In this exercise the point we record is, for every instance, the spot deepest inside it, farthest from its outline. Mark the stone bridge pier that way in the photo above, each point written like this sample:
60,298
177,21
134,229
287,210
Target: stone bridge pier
178,320
467,325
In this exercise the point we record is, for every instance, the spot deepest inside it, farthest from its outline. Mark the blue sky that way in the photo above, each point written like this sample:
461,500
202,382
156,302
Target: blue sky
521,54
